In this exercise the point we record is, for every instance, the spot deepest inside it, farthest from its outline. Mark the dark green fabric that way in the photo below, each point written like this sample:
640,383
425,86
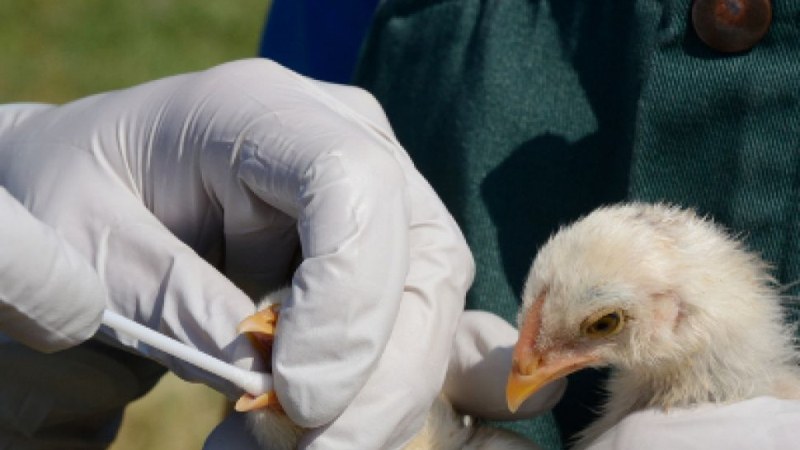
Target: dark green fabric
722,134
525,115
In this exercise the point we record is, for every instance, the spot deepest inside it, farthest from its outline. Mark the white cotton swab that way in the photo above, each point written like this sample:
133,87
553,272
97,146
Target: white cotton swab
254,383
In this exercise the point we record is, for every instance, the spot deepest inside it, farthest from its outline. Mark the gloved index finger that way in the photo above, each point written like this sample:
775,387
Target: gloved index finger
343,184
394,403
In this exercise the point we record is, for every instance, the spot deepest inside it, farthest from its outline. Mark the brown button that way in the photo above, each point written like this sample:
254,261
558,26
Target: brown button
731,25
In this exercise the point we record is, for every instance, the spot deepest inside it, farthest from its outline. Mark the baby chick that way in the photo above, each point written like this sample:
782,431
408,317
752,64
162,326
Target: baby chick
674,304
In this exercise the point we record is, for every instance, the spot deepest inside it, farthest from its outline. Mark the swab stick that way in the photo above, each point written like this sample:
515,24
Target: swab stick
254,383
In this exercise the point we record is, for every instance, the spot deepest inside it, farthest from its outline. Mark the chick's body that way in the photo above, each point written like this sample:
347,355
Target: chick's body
444,429
682,312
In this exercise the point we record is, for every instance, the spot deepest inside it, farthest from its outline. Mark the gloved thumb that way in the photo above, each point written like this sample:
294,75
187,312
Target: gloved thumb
50,297
479,367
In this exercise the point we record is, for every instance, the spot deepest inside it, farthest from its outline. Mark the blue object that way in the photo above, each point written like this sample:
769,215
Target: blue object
318,38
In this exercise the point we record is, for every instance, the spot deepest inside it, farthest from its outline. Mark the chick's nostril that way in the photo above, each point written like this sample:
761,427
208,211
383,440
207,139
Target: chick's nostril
525,366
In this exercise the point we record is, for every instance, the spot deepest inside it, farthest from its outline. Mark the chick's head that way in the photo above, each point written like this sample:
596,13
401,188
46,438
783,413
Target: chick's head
621,287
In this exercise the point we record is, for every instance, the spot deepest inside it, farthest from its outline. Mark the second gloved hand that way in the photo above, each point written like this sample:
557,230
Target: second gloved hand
255,169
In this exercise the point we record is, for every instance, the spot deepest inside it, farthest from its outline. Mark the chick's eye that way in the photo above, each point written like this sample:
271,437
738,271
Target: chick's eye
602,324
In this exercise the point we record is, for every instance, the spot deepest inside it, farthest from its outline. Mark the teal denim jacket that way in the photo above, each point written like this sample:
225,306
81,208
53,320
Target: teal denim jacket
526,114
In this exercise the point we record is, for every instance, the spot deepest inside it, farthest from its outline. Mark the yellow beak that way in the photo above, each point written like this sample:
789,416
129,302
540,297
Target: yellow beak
533,367
530,373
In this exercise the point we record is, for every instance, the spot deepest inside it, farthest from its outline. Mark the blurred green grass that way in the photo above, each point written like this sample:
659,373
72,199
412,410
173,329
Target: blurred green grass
58,50
175,415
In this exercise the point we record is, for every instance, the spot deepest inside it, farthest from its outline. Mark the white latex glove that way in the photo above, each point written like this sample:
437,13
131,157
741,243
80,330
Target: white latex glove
759,423
253,159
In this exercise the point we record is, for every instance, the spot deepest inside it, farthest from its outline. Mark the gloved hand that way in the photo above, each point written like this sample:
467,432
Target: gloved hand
761,422
247,160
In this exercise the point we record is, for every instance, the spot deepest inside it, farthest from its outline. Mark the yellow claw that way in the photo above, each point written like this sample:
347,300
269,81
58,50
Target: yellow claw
260,328
249,403
262,322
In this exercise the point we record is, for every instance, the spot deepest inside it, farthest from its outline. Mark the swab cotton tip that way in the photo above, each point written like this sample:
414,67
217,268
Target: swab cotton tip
254,383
